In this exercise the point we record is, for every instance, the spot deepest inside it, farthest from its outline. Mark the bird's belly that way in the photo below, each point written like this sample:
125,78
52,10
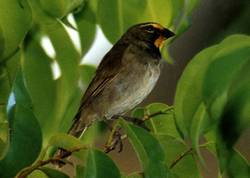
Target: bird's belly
132,90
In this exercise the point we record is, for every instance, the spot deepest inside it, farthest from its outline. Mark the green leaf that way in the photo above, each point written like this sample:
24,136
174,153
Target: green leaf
235,116
158,11
190,5
4,128
182,21
211,140
46,172
186,100
226,94
67,85
86,73
120,15
25,133
173,14
173,148
198,128
93,5
232,163
210,75
95,131
238,166
52,173
162,123
99,165
41,87
134,175
65,141
3,112
234,53
12,66
165,53
8,70
148,149
4,86
1,42
55,101
70,111
199,71
63,93
21,94
37,174
177,5
138,112
68,23
15,21
59,8
86,25
79,171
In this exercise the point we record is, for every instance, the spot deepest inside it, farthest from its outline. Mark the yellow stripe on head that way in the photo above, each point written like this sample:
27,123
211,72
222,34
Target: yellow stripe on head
158,26
155,25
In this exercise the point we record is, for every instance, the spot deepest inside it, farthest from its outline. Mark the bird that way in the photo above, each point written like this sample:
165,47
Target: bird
125,76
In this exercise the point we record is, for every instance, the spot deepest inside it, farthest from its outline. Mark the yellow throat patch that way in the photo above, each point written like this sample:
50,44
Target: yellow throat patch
159,42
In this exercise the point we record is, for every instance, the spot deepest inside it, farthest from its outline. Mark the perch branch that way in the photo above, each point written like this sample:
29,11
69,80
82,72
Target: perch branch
148,116
58,158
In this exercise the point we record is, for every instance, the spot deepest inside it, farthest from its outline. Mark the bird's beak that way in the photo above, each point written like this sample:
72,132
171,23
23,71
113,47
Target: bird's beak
164,35
167,33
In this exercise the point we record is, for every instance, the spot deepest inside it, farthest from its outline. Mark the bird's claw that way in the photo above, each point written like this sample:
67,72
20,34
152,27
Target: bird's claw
115,138
115,141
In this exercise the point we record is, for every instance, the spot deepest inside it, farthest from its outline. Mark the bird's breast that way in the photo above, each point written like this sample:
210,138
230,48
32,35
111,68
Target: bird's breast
133,86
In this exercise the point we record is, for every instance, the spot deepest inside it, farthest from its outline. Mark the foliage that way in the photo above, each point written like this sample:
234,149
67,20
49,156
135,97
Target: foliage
36,108
220,101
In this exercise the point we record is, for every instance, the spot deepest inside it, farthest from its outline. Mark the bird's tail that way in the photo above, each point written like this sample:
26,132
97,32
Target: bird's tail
77,129
82,121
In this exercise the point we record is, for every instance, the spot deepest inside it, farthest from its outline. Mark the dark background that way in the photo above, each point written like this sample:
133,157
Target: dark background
212,21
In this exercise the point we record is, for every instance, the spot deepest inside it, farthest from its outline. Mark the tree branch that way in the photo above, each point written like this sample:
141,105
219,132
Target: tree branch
58,158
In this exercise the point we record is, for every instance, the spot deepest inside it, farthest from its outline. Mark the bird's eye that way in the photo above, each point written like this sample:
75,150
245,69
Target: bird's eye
150,29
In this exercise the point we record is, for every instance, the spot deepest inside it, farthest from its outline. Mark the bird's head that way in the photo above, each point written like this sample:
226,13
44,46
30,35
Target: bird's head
149,32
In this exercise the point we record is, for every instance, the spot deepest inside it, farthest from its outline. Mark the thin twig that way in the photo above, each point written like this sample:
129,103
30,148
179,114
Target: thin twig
58,158
146,117
187,152
25,172
179,158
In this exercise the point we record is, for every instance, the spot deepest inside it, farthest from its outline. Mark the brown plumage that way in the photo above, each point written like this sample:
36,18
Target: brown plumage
126,75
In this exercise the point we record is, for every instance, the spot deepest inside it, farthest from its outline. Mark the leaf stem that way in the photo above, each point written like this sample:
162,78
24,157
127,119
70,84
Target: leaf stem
179,158
187,152
58,158
148,116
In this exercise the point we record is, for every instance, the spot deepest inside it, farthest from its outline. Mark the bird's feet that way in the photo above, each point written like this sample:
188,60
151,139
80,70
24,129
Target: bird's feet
116,137
60,158
115,140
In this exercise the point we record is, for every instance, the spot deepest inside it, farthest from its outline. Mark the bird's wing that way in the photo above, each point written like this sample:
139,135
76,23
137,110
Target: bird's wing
109,67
